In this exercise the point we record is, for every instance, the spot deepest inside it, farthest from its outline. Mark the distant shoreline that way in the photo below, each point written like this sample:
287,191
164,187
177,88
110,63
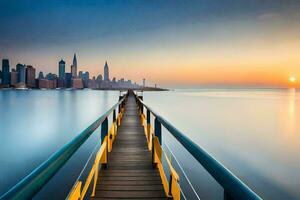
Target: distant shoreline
106,89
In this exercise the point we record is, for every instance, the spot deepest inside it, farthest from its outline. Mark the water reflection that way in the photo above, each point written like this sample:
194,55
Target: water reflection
290,132
292,99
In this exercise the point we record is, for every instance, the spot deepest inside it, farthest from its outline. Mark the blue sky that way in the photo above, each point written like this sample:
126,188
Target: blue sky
41,32
32,22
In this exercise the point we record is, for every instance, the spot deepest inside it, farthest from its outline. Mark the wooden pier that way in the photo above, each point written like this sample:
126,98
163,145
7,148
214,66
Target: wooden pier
130,173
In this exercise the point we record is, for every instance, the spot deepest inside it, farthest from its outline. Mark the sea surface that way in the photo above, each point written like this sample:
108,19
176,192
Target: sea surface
34,124
255,133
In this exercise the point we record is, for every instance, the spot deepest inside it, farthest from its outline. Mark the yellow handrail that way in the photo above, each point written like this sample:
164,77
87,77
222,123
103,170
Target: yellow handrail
171,188
77,192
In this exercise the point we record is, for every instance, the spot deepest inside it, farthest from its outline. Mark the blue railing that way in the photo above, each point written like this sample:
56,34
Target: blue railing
38,178
233,187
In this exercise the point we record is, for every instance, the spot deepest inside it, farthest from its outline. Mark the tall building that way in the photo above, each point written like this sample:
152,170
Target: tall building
144,82
106,72
5,73
61,74
41,75
21,73
80,74
74,67
61,69
13,78
30,76
68,80
85,78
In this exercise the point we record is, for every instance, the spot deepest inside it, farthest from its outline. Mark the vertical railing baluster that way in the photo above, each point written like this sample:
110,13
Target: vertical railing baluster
157,133
170,185
148,117
114,115
157,130
104,131
142,108
113,131
153,153
148,125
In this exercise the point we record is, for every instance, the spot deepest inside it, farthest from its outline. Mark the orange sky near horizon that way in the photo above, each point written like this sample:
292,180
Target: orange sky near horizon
252,54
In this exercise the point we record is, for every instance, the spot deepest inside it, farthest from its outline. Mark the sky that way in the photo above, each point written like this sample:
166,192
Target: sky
173,43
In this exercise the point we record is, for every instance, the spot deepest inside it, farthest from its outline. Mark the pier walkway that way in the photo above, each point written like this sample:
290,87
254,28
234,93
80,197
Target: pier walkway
129,172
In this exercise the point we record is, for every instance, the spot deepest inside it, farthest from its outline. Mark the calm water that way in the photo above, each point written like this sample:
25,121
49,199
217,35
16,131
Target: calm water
254,133
34,124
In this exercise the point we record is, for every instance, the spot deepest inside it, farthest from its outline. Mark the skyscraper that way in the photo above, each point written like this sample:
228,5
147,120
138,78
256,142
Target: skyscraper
80,73
61,74
74,67
61,69
5,73
106,72
21,73
14,78
68,80
30,76
41,75
85,78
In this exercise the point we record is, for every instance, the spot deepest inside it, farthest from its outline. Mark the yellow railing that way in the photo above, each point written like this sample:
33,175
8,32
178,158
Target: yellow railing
78,192
171,187
101,157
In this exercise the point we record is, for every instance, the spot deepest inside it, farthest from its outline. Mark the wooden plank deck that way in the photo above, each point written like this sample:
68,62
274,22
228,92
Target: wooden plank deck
130,174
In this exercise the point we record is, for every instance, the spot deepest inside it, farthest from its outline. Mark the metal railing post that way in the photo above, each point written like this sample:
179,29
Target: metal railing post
104,129
148,117
141,108
157,133
148,125
157,130
114,129
170,185
104,132
153,153
114,115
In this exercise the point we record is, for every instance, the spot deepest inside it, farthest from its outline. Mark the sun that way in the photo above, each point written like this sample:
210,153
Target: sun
292,79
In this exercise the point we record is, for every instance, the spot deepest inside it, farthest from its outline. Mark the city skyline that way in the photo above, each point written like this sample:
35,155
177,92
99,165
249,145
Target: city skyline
24,76
62,64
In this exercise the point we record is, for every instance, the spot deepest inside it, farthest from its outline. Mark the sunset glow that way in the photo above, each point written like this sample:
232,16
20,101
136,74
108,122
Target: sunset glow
292,79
